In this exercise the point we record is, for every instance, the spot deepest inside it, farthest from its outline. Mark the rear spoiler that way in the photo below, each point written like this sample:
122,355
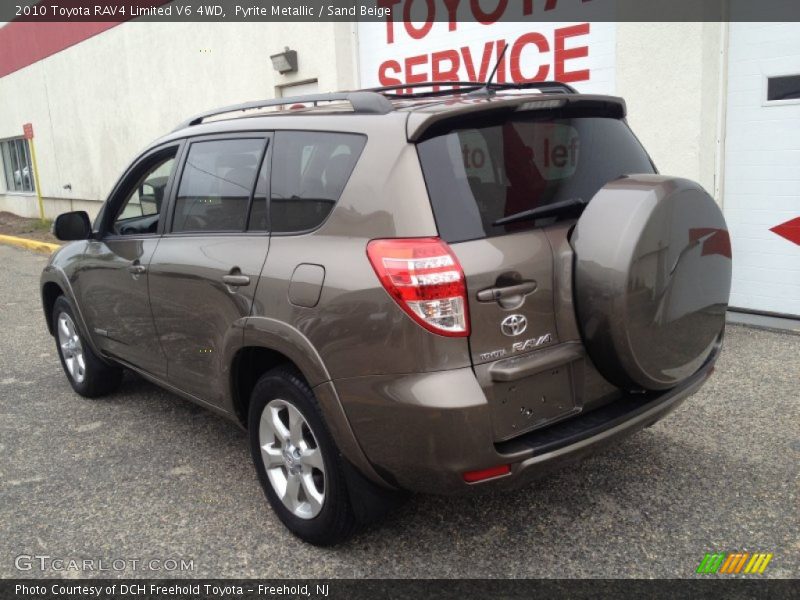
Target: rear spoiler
432,120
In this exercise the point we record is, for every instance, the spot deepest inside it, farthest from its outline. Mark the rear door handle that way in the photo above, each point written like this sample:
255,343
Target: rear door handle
137,269
508,291
236,280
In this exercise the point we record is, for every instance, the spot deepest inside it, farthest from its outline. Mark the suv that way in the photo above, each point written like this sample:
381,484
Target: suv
399,290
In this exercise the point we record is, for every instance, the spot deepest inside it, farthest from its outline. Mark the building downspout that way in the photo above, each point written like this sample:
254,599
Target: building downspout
722,114
355,54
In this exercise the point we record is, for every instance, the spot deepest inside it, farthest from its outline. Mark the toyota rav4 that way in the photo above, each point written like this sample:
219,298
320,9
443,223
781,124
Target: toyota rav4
432,290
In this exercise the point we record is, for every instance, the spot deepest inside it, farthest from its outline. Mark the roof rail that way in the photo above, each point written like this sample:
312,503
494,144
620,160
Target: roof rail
363,102
470,87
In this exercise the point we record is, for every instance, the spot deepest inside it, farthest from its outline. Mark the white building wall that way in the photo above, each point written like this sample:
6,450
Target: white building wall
671,76
95,105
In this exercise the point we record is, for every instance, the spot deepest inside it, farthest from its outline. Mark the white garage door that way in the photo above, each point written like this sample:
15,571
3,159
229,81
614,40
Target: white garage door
762,166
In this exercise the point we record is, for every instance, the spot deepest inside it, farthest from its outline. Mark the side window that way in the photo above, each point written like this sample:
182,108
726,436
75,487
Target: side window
16,158
217,179
141,209
783,88
309,172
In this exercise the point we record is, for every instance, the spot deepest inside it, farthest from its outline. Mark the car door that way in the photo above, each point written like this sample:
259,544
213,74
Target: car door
112,282
204,272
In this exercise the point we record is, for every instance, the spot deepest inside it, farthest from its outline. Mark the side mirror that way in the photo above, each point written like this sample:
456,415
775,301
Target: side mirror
72,226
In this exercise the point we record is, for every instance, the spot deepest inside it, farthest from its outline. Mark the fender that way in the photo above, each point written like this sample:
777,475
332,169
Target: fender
277,335
54,273
292,343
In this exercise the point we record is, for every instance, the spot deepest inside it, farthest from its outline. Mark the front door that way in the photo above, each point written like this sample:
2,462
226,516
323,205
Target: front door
204,272
112,282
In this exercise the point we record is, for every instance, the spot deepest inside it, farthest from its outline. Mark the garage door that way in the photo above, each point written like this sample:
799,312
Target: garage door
762,166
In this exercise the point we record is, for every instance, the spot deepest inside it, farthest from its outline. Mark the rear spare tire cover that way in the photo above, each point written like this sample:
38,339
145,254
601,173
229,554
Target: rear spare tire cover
652,280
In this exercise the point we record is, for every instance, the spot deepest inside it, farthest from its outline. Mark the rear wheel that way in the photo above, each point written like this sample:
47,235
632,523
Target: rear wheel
87,373
297,461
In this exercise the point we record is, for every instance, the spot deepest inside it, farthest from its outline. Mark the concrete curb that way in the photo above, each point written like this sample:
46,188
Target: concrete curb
766,322
35,245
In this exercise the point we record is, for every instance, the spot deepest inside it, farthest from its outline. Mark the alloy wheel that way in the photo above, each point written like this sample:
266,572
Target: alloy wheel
292,459
71,348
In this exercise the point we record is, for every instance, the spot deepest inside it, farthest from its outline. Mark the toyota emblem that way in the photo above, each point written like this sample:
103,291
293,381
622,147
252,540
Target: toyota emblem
514,325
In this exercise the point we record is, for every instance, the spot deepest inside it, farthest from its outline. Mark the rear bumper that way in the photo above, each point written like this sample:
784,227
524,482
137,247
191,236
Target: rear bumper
422,432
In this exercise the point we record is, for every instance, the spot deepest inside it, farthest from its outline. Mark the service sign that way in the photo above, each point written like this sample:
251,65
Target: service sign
449,40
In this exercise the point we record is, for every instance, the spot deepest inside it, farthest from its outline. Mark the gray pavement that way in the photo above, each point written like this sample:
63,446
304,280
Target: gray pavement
144,474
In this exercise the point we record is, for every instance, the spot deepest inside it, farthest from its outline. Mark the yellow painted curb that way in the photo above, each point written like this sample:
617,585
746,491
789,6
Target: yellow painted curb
34,245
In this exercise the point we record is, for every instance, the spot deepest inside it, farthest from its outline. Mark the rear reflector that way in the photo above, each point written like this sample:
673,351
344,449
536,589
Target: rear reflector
424,278
475,476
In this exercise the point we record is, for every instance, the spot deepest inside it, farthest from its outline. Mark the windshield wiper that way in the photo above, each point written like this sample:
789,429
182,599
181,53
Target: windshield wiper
550,210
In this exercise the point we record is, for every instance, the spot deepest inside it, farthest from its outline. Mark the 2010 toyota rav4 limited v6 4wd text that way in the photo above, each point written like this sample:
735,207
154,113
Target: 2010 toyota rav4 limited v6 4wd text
441,291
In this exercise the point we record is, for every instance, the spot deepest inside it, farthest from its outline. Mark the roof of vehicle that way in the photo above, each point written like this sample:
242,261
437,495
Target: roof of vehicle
422,110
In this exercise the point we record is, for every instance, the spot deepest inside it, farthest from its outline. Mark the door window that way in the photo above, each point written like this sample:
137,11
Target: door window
216,185
142,208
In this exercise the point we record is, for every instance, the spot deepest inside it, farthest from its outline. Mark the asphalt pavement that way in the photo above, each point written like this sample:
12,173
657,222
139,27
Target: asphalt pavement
144,475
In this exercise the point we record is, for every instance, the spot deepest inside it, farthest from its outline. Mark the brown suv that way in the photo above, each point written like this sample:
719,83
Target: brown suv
439,291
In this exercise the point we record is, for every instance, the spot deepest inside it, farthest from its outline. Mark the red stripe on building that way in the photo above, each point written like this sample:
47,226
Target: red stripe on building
24,43
29,39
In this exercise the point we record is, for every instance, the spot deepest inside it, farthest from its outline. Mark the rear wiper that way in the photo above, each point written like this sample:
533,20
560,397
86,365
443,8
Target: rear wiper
550,210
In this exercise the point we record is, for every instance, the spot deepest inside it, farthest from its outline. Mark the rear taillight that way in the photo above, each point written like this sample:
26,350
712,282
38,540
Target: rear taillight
425,279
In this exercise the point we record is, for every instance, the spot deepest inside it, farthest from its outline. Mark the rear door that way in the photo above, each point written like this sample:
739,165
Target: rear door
203,274
493,169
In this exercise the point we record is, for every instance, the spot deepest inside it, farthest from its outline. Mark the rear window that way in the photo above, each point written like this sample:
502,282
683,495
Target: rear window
478,175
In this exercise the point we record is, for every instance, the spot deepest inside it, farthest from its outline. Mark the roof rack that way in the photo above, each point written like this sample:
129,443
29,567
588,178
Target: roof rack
377,101
470,87
363,102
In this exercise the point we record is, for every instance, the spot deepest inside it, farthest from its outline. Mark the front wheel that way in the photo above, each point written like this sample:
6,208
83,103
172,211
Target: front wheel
87,374
297,461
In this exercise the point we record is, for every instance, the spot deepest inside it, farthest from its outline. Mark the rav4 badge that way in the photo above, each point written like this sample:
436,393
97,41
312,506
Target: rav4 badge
518,347
532,343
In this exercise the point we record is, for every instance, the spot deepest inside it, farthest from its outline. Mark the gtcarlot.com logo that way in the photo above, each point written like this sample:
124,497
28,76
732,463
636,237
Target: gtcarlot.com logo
43,562
732,563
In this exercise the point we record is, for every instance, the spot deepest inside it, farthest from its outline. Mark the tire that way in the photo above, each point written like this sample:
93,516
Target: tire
320,511
88,375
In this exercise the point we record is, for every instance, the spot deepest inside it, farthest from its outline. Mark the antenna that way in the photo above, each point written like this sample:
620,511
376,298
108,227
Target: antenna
487,90
496,66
